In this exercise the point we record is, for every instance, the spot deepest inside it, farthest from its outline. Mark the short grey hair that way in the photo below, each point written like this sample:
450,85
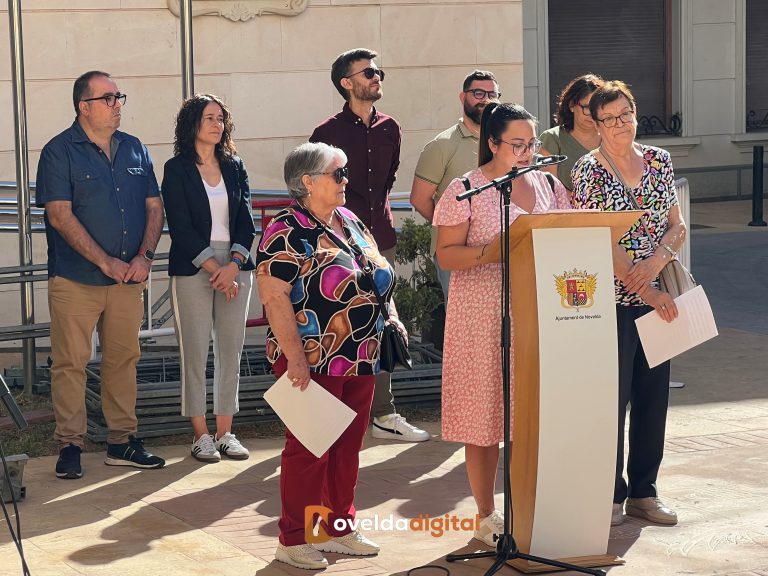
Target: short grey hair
311,159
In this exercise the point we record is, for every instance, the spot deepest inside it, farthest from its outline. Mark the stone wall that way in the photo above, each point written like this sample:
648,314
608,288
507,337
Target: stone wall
274,71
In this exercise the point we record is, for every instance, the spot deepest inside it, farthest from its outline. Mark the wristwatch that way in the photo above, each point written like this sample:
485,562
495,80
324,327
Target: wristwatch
149,255
238,262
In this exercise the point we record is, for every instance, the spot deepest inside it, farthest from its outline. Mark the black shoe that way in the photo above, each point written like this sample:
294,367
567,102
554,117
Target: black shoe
132,453
68,464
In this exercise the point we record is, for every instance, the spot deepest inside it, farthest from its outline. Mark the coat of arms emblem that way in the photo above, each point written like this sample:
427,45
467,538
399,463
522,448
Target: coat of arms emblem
576,288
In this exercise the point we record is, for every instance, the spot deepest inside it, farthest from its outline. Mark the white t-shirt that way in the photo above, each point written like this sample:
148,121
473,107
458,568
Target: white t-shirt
217,199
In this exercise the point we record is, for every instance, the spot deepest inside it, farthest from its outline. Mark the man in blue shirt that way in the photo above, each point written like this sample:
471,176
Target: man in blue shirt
103,219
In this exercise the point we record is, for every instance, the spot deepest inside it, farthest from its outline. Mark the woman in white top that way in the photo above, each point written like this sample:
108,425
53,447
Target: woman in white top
207,205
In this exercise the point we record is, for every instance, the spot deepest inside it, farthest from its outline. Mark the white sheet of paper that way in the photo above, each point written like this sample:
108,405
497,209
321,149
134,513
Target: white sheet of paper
315,416
695,324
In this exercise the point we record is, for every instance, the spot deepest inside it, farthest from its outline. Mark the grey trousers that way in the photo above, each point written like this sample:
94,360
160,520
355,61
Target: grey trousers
202,313
383,401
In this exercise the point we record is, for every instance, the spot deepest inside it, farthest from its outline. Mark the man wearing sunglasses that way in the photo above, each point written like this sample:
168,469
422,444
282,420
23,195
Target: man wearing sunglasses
103,218
452,154
371,141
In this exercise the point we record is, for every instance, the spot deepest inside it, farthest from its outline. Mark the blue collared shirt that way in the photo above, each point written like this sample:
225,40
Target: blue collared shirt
108,197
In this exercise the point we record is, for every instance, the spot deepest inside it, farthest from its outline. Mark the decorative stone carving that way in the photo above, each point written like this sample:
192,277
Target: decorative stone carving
242,10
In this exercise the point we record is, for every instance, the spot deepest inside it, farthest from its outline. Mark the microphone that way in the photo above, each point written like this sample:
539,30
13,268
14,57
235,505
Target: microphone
549,160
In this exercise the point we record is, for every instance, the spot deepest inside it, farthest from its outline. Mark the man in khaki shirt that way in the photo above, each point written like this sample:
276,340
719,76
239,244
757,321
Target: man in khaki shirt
452,154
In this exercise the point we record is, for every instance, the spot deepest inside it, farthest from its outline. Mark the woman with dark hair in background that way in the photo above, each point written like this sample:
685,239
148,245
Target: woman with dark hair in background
472,410
575,133
207,205
620,175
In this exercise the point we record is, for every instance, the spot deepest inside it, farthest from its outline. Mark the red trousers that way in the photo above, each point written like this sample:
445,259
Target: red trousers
330,480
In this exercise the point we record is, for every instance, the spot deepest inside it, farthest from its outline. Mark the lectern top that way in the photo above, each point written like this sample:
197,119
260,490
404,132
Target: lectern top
619,223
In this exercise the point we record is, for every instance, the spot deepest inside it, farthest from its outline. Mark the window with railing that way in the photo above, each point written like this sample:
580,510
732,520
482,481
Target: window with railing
630,41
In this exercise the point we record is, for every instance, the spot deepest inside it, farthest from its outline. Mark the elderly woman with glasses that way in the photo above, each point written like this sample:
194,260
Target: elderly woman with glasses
575,132
473,411
325,324
623,175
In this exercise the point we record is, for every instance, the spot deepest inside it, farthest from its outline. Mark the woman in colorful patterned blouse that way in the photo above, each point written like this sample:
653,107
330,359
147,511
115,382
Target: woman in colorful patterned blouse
324,324
473,408
609,178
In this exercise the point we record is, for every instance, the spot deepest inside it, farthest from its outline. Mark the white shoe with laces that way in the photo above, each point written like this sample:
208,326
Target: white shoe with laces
352,544
394,427
303,556
205,450
230,447
491,525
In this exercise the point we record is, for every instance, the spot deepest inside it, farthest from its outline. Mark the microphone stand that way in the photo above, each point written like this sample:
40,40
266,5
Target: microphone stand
506,548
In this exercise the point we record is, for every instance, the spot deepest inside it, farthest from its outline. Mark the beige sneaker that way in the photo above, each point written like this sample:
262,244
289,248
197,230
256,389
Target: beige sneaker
651,509
301,556
490,526
617,514
352,544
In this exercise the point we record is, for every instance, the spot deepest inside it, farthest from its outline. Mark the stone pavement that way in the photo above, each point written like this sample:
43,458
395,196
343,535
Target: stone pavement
221,519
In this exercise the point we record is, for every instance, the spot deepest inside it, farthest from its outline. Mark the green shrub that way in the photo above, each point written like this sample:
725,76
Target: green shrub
419,296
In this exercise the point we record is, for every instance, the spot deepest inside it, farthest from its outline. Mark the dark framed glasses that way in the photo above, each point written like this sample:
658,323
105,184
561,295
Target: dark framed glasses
520,149
339,174
611,121
109,99
483,94
369,73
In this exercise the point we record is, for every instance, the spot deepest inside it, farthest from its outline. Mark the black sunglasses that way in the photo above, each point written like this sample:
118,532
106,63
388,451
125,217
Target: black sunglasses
369,73
109,99
339,174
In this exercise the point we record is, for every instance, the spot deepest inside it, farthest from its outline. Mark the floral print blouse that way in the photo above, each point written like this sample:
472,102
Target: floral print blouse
594,187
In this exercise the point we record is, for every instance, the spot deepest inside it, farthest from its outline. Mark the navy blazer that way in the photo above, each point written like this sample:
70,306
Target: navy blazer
189,214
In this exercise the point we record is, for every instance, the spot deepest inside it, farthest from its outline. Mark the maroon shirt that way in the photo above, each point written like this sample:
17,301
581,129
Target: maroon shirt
373,155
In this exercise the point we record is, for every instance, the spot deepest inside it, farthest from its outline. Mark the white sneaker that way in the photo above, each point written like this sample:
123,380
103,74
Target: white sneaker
301,556
394,427
490,526
617,514
204,449
352,544
230,447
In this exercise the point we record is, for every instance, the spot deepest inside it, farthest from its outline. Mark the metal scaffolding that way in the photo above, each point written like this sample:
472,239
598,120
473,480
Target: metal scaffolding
22,159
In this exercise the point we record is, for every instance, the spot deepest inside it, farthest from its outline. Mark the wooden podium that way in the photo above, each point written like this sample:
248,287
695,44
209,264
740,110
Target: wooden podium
565,384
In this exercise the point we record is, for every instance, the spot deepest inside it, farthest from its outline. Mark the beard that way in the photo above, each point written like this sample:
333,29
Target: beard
366,93
474,113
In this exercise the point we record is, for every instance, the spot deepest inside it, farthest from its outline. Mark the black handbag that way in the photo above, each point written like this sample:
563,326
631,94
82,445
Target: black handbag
393,349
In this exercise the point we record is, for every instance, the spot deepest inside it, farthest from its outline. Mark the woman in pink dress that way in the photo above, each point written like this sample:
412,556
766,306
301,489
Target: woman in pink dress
473,411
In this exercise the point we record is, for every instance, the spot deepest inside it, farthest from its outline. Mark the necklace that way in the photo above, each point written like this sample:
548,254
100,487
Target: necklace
322,222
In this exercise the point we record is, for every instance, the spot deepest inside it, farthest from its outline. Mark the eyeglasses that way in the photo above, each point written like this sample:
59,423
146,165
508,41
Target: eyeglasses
584,108
611,121
109,99
483,94
339,174
520,149
369,73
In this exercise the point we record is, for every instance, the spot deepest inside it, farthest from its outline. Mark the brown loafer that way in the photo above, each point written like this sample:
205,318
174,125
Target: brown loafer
651,509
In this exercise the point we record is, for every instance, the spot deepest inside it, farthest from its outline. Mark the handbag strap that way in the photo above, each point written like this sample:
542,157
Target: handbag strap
351,248
628,192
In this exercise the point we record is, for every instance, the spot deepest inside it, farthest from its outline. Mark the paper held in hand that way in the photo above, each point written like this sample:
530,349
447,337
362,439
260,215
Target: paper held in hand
695,324
315,416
